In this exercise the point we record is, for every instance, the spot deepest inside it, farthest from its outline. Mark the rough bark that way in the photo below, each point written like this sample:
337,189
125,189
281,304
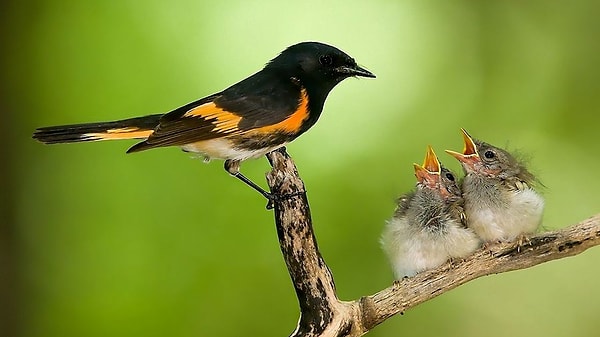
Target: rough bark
323,314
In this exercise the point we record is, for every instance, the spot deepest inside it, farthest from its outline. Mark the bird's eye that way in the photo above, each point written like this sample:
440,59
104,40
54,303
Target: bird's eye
489,154
450,176
326,60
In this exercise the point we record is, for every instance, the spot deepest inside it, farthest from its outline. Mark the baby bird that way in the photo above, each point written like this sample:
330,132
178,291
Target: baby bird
427,229
500,203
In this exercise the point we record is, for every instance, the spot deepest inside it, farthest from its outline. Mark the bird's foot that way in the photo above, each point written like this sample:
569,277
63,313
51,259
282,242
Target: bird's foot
455,261
522,240
280,197
487,246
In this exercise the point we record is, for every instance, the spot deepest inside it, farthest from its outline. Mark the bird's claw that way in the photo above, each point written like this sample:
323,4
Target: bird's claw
272,198
522,240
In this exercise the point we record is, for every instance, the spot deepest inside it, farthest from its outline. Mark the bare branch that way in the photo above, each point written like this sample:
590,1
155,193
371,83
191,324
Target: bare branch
322,314
500,258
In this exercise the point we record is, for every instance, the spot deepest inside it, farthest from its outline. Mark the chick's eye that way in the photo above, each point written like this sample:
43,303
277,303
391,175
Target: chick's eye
326,60
489,154
450,176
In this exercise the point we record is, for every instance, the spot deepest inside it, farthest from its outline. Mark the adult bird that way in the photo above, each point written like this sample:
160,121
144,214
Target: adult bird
246,120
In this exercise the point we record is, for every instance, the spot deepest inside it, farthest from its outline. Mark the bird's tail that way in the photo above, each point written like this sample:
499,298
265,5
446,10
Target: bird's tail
132,128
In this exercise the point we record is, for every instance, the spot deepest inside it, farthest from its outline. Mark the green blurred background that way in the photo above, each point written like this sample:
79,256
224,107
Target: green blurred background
98,243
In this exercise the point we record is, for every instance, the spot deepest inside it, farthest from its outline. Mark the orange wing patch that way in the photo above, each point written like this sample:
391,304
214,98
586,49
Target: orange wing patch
293,123
224,121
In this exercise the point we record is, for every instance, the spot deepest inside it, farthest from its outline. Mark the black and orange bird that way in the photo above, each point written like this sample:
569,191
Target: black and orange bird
247,120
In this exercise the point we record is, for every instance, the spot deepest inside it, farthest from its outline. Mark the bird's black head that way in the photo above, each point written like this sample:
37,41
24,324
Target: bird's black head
316,65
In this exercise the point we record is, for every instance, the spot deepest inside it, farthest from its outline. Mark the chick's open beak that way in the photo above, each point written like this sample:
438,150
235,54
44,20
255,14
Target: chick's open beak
425,177
469,155
431,162
470,147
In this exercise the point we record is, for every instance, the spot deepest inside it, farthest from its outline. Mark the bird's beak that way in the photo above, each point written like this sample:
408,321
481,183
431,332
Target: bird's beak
431,162
423,176
355,71
469,155
426,177
470,149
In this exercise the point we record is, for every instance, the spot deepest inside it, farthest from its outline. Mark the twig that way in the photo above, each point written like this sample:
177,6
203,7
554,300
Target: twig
323,314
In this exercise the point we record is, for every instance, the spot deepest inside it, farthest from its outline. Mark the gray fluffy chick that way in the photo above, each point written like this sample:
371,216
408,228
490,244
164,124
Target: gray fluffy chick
500,202
427,228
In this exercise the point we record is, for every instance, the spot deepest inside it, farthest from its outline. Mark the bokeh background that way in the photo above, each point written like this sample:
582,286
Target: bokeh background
98,243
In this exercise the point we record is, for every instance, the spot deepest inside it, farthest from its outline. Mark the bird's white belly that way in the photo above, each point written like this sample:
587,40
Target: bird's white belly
412,249
522,215
223,149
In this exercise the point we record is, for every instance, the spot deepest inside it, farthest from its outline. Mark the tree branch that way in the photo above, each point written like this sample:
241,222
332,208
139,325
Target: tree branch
323,314
310,275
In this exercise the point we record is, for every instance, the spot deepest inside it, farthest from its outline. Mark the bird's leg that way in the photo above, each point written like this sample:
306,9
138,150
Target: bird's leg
233,168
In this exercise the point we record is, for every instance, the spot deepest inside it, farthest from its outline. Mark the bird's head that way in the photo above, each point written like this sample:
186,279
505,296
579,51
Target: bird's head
433,175
485,159
316,64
